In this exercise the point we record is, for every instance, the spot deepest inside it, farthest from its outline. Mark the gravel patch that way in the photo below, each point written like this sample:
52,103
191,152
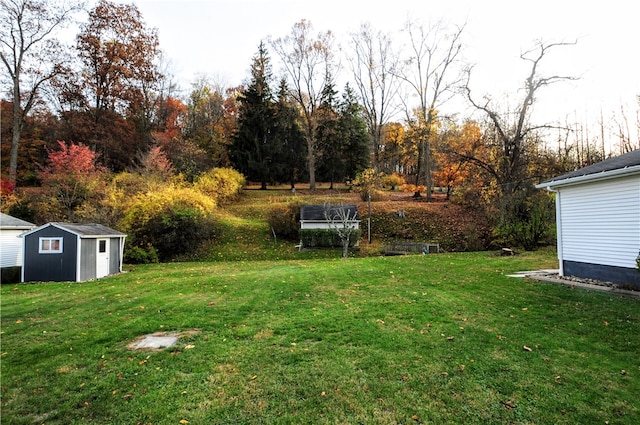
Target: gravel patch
553,276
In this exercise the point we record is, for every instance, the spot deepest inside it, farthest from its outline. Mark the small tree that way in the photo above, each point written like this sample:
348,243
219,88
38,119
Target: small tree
69,174
342,220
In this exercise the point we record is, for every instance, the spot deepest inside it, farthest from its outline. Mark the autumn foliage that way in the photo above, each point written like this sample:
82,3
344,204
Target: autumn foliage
169,222
72,160
69,175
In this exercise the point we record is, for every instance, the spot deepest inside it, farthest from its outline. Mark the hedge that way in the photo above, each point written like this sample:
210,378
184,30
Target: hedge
326,238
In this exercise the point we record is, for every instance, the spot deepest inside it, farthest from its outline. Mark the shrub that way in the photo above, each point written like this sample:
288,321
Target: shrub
140,255
326,238
284,219
6,188
367,184
174,221
10,274
527,222
222,184
412,188
393,181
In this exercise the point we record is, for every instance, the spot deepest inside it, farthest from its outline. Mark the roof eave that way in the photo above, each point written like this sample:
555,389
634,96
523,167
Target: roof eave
604,175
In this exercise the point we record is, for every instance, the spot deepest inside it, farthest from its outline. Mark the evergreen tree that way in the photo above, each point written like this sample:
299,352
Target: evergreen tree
289,137
329,137
353,128
255,147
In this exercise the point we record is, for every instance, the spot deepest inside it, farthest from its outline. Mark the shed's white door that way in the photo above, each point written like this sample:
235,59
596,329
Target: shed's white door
102,258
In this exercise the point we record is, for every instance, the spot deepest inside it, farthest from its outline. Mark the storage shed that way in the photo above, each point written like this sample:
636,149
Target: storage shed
598,220
328,216
71,252
329,226
10,243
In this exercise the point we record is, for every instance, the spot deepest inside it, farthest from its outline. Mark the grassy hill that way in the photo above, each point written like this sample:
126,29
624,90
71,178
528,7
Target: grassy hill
245,233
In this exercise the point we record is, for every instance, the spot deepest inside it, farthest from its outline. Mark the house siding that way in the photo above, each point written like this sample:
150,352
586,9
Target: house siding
114,255
325,224
88,252
601,222
50,267
11,248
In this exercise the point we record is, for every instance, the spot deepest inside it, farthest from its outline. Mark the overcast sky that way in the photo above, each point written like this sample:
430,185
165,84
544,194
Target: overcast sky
219,38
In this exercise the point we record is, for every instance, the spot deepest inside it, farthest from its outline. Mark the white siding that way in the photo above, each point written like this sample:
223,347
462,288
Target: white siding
11,248
324,225
601,222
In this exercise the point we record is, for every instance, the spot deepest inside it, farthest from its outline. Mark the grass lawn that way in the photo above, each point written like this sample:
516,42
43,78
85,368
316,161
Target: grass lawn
433,339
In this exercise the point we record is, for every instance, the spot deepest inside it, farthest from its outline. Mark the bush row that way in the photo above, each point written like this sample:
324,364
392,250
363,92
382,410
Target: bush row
326,238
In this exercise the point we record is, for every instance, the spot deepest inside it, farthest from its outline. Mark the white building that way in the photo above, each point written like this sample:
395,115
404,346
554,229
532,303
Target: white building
329,216
10,242
598,220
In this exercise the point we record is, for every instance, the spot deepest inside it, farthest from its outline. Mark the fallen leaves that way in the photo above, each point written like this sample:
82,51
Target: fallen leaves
509,404
525,348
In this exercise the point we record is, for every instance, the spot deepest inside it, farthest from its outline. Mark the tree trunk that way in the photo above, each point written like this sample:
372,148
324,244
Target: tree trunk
345,248
418,169
311,160
427,169
15,136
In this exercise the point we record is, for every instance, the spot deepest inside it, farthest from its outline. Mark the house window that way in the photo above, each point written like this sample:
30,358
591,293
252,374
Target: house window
102,246
50,246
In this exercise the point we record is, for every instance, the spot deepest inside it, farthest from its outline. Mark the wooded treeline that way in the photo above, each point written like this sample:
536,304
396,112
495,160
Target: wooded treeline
112,92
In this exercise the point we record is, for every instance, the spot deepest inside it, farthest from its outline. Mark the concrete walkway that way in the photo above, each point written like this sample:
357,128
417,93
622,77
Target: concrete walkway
551,276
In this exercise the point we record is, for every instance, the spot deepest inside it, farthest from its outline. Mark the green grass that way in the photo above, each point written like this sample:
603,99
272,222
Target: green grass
381,340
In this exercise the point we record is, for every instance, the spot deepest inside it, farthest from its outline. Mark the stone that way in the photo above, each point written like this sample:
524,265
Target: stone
155,341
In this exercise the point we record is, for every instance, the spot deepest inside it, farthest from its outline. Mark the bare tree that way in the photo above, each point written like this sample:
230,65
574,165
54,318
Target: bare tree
374,67
31,55
308,62
343,220
512,132
432,75
623,131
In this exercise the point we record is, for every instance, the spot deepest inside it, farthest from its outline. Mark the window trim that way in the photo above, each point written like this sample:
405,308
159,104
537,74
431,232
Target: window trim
100,242
41,241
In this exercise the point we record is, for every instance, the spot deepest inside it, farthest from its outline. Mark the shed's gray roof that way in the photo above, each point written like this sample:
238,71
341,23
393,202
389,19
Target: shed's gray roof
88,230
317,212
9,222
627,160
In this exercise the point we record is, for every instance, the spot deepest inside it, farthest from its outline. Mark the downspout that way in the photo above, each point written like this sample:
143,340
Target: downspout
24,257
558,228
122,240
78,258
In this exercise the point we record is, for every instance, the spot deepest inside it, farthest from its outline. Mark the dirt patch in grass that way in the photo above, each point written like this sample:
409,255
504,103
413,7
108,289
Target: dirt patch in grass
164,339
